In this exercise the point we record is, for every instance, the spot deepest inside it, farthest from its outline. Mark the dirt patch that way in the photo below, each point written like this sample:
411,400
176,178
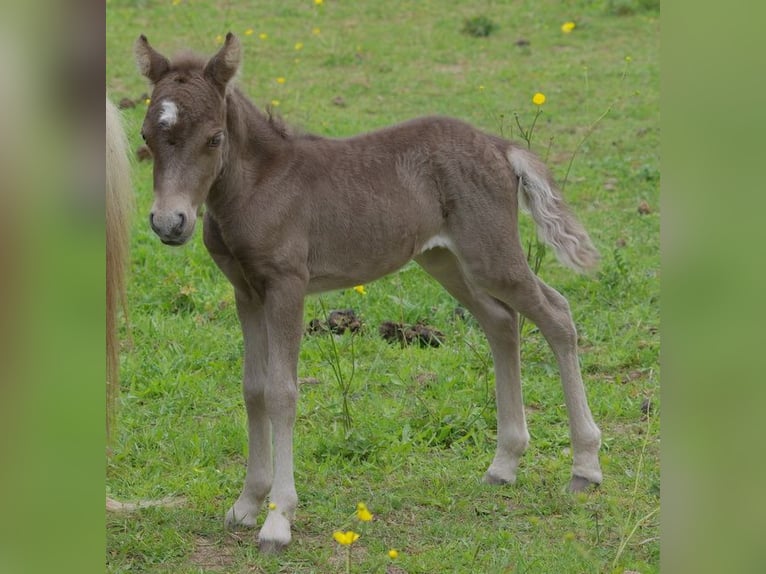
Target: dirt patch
426,379
338,322
212,555
113,505
424,335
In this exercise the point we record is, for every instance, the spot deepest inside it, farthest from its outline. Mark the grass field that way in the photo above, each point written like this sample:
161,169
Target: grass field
423,420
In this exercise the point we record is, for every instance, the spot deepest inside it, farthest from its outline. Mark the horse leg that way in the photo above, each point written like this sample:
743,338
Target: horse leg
555,322
549,310
501,270
500,325
258,477
283,311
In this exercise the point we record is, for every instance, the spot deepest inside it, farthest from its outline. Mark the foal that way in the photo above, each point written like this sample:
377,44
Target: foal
287,215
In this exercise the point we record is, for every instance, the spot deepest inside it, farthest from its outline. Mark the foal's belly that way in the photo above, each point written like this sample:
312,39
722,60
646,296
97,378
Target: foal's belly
372,233
341,270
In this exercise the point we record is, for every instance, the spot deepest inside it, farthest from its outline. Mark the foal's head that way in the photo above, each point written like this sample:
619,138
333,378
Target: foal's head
185,128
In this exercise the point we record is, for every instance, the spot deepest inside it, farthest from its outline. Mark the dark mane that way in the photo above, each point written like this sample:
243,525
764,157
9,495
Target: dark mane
187,61
278,124
283,129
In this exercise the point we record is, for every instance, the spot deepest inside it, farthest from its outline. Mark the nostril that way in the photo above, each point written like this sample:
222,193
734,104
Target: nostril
151,221
179,227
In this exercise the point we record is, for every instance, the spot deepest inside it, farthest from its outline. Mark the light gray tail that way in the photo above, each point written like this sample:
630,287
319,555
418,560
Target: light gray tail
556,225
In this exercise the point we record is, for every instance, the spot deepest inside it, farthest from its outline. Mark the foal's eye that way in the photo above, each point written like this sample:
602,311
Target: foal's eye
216,140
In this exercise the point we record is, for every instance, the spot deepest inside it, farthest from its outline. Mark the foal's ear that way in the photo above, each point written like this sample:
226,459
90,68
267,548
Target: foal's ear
224,65
150,63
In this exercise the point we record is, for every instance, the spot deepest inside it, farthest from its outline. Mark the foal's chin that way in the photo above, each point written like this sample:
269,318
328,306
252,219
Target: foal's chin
177,240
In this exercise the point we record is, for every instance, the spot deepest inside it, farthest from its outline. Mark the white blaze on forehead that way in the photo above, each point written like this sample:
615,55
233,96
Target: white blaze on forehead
169,115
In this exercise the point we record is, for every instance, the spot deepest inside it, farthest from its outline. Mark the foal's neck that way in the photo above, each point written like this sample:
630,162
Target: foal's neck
253,135
253,143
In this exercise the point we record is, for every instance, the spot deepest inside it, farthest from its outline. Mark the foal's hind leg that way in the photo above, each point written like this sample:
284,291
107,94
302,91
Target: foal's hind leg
557,326
549,310
501,270
500,325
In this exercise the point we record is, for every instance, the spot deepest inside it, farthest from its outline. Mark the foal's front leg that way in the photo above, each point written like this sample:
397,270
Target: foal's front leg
283,312
259,474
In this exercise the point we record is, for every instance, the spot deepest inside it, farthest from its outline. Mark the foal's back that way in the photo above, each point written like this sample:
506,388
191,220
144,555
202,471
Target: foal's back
374,201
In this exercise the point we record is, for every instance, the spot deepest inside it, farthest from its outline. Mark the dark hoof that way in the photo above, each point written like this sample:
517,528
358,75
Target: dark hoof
580,484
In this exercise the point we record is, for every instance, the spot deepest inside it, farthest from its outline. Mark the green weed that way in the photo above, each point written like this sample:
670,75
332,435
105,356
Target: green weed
479,26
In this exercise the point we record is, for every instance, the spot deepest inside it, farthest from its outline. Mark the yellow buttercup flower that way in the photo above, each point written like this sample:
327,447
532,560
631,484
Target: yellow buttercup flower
316,31
176,2
362,513
249,32
275,103
393,554
318,2
362,291
219,39
281,80
345,538
272,506
567,27
538,99
298,46
263,35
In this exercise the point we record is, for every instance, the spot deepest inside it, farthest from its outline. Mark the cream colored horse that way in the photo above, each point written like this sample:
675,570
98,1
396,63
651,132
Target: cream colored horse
119,206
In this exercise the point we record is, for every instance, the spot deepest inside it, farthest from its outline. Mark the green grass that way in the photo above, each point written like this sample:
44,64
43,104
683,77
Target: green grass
423,428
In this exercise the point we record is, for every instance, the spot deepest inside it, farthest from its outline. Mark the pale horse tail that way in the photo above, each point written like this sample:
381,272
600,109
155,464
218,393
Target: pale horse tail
556,224
119,204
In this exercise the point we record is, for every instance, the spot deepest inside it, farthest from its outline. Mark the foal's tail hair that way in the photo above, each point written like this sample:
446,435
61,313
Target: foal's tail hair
556,224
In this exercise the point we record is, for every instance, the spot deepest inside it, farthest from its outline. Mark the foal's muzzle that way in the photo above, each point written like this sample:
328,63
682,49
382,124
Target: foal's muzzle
173,228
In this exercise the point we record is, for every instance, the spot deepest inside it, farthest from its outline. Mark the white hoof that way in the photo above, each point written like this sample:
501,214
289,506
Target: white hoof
242,514
501,472
493,477
275,534
587,468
